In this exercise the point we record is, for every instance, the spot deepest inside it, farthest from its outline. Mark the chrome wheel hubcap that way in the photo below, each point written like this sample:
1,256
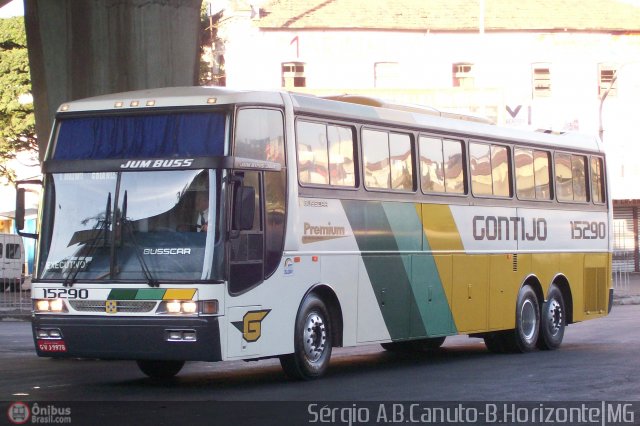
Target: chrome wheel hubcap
554,317
315,337
528,320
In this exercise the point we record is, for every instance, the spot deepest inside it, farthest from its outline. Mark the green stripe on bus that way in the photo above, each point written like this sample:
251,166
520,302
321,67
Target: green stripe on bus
388,273
150,294
407,286
433,312
123,294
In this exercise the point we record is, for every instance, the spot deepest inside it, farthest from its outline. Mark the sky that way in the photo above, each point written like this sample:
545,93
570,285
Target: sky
15,8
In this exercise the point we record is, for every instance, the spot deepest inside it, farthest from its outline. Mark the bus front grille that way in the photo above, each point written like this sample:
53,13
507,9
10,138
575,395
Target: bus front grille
136,306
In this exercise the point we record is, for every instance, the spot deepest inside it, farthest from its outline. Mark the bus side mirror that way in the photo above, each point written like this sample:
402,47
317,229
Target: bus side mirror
244,208
21,209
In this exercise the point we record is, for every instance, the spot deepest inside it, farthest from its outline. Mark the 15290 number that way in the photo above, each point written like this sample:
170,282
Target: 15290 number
587,230
65,293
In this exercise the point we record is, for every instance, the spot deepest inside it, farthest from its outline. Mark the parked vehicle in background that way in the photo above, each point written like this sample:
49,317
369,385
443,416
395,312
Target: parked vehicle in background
11,261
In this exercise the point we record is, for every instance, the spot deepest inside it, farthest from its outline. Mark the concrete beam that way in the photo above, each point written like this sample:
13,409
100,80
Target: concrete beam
87,48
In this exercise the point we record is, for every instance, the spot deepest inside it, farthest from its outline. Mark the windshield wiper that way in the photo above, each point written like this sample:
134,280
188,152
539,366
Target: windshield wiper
101,226
152,282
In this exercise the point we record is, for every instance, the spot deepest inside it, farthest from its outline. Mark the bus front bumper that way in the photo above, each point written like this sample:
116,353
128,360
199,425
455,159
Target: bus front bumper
167,338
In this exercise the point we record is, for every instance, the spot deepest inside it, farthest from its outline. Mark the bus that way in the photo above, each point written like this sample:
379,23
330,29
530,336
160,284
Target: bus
205,224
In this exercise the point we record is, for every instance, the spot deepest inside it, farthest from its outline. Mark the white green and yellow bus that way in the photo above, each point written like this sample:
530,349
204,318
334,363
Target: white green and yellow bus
205,224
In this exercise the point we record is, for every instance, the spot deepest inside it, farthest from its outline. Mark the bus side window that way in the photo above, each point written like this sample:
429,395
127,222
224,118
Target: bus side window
525,174
571,177
597,180
542,174
260,135
388,160
564,183
579,177
532,174
480,166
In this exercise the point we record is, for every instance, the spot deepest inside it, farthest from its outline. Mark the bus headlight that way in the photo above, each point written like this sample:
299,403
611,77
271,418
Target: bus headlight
49,305
188,307
173,307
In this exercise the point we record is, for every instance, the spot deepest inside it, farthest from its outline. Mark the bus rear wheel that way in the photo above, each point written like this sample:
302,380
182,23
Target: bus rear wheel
160,369
553,320
312,341
525,335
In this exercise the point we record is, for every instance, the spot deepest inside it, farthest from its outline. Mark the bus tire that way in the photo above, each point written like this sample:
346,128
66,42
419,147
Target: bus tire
525,335
160,369
553,320
312,341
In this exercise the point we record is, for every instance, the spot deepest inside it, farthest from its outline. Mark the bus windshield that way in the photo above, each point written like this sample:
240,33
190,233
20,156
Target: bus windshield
131,226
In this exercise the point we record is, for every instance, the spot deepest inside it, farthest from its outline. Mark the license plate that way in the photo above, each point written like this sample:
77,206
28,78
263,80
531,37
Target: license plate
52,346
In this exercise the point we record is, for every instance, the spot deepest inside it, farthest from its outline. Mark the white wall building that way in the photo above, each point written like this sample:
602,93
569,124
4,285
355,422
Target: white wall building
542,64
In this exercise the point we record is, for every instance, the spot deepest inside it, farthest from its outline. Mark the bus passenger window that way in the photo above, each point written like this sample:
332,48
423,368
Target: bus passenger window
313,162
454,174
525,176
480,161
532,174
325,154
490,170
597,181
388,160
579,177
401,162
564,184
500,171
341,165
375,149
432,164
542,172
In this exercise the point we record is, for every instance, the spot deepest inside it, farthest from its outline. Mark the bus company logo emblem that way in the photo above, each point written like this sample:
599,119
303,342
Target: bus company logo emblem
314,234
157,164
18,413
111,307
251,325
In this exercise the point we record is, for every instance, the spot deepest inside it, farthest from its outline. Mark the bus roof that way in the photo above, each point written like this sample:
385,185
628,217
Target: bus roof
369,110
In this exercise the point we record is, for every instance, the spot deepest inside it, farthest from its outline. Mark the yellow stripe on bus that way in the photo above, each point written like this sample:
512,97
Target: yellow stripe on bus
440,228
179,294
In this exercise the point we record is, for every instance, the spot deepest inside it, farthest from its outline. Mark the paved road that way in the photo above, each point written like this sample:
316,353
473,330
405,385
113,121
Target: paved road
598,361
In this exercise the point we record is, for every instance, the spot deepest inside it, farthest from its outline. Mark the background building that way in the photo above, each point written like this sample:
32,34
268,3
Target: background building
561,65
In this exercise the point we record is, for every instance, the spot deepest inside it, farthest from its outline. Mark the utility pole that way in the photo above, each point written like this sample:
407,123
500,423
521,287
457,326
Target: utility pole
604,96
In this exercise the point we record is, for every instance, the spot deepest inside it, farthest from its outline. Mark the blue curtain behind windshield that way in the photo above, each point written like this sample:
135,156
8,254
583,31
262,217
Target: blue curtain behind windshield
166,135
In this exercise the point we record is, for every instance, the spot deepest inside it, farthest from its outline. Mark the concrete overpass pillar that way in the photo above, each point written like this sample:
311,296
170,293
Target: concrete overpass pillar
92,47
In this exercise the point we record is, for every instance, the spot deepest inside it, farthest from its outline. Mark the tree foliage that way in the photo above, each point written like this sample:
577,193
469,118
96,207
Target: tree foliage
17,121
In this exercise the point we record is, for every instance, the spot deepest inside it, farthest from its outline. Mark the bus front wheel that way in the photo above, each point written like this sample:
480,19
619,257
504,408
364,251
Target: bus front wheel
312,341
160,369
553,320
